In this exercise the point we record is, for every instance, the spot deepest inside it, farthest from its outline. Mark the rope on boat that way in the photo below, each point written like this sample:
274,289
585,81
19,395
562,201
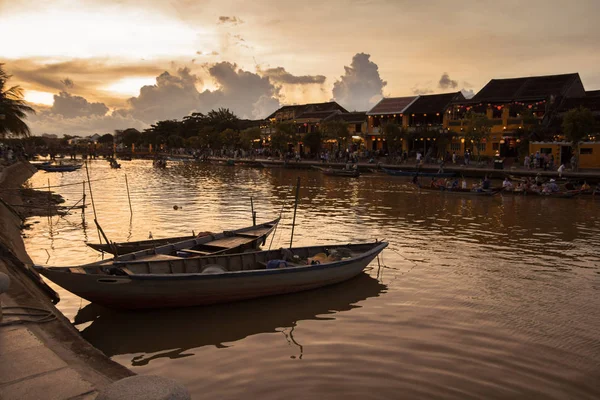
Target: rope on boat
34,315
407,259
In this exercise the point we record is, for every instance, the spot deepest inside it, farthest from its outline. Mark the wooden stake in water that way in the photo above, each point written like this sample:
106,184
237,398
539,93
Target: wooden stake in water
127,184
295,207
253,213
87,172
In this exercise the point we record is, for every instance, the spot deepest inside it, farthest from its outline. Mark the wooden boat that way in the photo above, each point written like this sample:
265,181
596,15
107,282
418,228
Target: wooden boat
59,168
252,237
160,163
181,282
397,172
467,192
528,192
352,173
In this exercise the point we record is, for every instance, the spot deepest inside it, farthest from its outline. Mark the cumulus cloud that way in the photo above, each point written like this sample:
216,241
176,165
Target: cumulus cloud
447,83
360,84
171,97
68,83
417,90
468,93
230,20
280,75
70,106
244,92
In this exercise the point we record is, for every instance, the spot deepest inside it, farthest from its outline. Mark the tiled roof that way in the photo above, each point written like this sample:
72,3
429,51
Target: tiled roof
317,114
392,105
352,117
302,108
524,89
433,103
590,101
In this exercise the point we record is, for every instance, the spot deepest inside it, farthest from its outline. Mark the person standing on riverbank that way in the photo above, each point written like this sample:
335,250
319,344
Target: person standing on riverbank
561,170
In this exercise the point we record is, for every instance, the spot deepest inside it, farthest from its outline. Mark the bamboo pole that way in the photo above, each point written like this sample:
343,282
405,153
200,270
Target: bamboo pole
128,196
253,213
295,208
87,172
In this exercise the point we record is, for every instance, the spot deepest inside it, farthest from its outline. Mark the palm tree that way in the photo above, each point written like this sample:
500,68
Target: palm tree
13,109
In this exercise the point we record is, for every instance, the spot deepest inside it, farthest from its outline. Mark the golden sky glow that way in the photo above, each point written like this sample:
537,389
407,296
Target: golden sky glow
254,56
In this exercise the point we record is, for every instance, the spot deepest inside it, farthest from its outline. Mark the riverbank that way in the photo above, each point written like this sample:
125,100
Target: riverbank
468,171
48,359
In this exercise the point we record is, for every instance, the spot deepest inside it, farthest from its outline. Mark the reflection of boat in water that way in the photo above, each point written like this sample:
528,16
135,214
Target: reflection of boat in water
150,335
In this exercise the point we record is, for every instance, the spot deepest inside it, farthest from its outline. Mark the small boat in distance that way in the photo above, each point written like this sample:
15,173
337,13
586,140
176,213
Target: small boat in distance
352,173
211,243
397,172
206,280
459,191
59,168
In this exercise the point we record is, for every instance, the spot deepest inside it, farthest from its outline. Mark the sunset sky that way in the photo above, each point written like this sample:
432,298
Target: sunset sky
98,65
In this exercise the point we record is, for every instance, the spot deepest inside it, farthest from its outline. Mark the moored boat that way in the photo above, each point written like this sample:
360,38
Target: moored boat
467,192
397,172
208,243
352,173
213,279
59,168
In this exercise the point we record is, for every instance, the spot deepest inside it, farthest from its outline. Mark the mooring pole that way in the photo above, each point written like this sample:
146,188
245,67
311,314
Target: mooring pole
129,197
295,207
253,213
87,172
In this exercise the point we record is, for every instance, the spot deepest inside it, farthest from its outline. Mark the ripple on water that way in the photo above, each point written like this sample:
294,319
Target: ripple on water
474,298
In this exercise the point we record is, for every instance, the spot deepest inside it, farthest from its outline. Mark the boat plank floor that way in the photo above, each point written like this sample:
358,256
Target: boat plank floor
229,241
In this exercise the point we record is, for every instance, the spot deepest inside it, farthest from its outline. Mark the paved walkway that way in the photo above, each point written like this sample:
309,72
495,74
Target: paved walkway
48,360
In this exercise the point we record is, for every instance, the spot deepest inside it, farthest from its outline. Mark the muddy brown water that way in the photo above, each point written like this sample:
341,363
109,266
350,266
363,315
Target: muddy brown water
474,297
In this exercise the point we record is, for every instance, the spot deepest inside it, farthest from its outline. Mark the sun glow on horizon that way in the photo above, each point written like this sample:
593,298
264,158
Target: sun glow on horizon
86,34
37,97
130,86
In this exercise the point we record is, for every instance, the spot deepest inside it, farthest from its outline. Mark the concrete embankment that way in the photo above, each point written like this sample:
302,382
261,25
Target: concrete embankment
47,359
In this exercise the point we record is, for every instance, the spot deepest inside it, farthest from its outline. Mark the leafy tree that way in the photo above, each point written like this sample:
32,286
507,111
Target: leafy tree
248,136
175,141
194,142
222,119
230,138
284,133
314,141
478,128
13,109
393,136
337,130
131,136
577,123
106,139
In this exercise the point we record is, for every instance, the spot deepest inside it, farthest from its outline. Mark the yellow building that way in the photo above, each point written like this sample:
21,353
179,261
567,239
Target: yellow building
506,102
421,117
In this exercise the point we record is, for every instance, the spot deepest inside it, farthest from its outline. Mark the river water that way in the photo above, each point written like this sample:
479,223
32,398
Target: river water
474,298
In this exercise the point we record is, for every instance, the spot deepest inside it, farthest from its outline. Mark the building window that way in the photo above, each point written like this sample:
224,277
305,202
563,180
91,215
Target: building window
495,146
358,128
455,146
481,147
587,150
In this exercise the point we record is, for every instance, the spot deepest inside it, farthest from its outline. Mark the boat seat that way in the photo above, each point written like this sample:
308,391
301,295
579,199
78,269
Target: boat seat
197,252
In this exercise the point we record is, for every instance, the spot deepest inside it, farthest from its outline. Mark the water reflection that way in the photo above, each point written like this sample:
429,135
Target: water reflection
150,335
